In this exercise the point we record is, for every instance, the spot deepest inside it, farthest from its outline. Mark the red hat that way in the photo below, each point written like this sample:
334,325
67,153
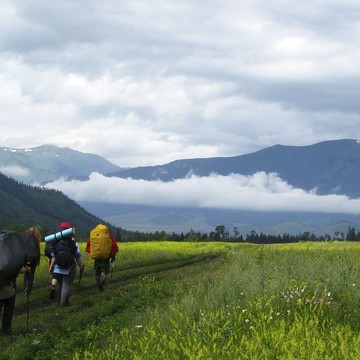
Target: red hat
64,225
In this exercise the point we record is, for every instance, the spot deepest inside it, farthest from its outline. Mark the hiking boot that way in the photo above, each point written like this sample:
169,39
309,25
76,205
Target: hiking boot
52,293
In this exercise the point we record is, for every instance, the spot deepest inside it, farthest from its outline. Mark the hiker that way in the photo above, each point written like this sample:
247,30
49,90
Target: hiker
65,256
7,301
49,251
103,248
34,236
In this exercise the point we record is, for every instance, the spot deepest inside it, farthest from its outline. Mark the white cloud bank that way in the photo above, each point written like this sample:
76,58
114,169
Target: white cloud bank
259,192
14,171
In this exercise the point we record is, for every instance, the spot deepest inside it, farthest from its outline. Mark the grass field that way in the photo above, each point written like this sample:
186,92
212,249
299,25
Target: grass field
200,301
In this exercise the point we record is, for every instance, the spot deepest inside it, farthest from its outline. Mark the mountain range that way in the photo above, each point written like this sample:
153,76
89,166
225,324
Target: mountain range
329,167
46,163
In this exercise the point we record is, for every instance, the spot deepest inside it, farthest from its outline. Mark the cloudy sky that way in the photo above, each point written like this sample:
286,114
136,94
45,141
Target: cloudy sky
148,82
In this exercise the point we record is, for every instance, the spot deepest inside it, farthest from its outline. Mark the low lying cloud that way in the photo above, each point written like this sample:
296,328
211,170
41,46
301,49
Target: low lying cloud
14,171
258,192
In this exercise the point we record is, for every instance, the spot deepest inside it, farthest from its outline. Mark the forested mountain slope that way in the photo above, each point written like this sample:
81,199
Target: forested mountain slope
27,205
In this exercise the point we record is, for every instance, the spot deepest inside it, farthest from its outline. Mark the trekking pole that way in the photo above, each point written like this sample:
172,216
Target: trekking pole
28,287
27,310
81,272
112,269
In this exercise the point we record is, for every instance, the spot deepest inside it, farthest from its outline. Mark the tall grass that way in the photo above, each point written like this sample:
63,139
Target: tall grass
264,302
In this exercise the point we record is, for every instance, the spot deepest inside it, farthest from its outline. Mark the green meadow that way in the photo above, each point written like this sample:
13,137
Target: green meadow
189,300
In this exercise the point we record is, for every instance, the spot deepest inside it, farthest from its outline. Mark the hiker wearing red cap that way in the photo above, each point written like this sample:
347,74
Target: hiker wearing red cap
49,252
65,256
65,225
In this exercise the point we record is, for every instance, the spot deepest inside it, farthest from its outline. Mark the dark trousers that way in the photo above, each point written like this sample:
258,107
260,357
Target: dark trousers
7,306
29,280
102,268
64,283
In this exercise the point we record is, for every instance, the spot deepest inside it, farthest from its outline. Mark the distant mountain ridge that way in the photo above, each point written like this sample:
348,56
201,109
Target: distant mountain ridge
47,163
330,167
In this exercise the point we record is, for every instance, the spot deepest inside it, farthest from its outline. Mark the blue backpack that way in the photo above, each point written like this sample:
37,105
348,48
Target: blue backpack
65,251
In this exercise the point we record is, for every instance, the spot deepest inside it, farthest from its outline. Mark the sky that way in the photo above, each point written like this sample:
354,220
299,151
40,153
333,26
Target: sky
148,82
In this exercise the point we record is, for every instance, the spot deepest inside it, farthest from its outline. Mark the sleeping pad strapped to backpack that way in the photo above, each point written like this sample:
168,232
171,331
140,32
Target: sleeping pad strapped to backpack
65,251
100,242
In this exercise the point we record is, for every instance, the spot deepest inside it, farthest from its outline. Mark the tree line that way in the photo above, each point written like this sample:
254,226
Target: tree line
223,234
220,233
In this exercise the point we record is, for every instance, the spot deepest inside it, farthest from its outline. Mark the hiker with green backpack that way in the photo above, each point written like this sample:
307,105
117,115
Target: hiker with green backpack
7,301
103,248
17,251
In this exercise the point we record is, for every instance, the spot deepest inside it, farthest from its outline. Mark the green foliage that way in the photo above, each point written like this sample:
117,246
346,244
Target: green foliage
277,302
191,300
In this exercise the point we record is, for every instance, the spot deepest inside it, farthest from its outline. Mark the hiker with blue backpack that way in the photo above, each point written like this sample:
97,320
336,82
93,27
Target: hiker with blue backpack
49,253
66,256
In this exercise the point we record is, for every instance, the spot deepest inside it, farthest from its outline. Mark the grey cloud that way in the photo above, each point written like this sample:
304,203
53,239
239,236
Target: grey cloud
178,79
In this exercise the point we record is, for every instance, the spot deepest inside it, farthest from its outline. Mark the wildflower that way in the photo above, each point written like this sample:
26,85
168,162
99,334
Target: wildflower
36,342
